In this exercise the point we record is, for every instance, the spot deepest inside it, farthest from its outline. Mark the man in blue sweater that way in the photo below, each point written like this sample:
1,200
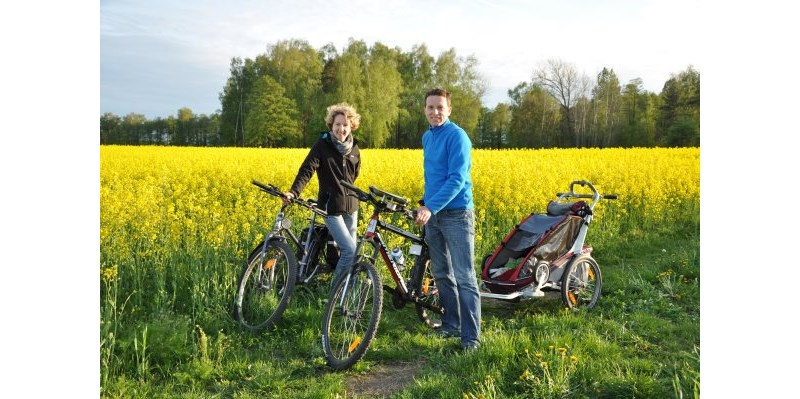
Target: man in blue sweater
449,220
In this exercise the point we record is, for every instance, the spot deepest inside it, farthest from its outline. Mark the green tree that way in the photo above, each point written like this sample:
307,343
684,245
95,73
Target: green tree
348,82
110,126
297,67
157,131
461,78
382,86
566,85
183,127
272,119
606,109
416,69
535,117
494,128
683,133
680,110
634,111
232,101
134,126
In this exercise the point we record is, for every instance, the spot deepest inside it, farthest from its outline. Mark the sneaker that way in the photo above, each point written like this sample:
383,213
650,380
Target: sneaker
448,333
472,346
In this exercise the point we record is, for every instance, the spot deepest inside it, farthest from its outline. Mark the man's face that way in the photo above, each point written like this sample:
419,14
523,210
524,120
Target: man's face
436,110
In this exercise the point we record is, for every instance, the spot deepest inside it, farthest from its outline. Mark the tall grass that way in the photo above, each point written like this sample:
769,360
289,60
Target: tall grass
177,223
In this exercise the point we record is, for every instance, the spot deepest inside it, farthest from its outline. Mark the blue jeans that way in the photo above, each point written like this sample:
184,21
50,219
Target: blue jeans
343,230
450,235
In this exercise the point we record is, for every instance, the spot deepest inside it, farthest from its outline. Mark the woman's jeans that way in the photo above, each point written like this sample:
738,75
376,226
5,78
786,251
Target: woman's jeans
343,230
450,235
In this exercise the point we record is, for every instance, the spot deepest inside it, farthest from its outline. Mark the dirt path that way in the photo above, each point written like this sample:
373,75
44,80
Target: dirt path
384,379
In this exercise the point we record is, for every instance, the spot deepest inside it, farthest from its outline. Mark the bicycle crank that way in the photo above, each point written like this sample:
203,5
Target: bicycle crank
398,299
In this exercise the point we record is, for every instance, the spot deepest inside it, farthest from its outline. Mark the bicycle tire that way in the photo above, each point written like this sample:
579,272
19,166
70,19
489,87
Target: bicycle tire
581,283
348,330
262,298
423,285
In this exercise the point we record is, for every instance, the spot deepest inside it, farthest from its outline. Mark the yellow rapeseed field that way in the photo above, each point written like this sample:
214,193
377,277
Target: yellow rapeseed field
155,201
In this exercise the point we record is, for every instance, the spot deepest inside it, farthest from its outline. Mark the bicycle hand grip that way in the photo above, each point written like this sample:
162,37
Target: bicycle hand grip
350,186
610,196
362,196
260,184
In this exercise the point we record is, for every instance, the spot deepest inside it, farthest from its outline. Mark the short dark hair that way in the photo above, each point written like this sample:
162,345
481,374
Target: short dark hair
439,92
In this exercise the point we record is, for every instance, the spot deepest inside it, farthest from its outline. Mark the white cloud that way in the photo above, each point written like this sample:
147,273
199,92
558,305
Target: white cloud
509,38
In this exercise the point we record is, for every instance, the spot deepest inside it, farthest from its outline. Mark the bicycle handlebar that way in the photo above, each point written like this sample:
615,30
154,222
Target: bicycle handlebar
362,196
273,190
594,196
383,200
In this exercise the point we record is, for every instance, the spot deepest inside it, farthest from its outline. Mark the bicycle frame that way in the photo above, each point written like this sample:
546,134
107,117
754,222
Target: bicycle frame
281,230
372,236
386,202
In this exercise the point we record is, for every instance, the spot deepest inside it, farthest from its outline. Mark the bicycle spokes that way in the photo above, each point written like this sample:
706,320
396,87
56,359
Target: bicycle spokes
582,285
351,320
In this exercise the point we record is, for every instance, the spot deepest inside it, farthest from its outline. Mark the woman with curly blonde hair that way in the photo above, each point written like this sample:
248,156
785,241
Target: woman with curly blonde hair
334,157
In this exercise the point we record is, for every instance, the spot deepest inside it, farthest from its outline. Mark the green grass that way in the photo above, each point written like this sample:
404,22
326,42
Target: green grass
167,331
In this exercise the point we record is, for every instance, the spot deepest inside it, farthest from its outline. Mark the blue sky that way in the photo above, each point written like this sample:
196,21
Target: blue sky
159,56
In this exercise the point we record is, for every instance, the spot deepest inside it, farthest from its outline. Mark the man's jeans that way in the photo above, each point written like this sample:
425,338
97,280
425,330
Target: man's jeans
450,235
343,230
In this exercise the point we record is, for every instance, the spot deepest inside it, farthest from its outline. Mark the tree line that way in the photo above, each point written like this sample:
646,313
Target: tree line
279,98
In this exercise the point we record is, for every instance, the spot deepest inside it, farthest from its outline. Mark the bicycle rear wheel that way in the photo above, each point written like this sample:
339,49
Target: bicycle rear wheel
581,284
351,316
265,285
423,285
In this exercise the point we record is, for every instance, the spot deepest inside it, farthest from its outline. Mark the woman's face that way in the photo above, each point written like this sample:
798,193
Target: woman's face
341,127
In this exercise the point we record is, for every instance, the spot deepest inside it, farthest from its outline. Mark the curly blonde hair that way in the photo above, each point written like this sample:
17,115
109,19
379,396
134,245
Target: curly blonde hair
345,109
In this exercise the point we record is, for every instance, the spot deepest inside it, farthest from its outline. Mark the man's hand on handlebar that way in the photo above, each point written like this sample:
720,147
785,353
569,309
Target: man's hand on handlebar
423,215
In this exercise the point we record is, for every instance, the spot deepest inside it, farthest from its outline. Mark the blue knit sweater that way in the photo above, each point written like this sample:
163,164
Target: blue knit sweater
447,161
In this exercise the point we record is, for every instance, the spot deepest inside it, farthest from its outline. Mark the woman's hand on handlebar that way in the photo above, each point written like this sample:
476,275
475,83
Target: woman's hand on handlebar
423,215
287,197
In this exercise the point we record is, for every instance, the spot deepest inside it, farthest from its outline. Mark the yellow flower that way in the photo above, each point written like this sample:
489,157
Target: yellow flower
573,358
525,375
562,350
109,273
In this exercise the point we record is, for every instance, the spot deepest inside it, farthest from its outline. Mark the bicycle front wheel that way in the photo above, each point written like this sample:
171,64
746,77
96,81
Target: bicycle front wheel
265,285
351,316
423,285
581,284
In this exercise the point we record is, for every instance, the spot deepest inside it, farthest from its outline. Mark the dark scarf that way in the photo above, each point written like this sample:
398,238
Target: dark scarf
343,147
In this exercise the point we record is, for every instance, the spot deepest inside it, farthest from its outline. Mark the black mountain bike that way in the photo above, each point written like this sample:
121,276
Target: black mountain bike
354,307
280,262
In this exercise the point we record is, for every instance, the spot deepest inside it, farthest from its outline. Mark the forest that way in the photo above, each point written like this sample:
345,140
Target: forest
279,98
